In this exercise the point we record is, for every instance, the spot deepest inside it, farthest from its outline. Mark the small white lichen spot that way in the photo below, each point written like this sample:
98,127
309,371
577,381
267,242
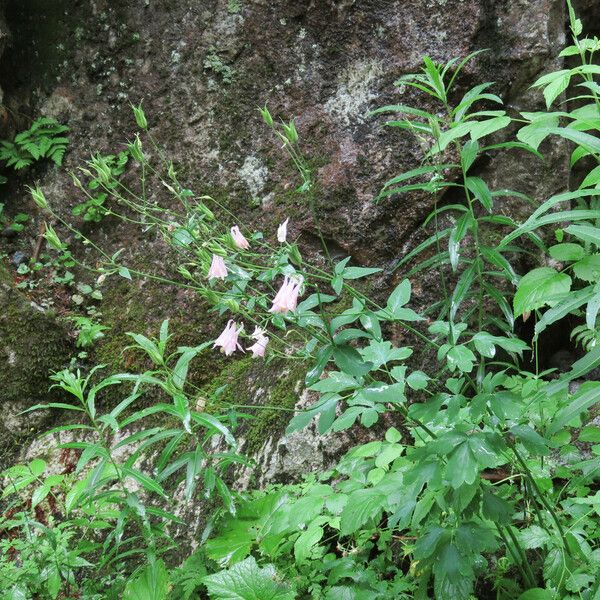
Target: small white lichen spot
254,174
354,92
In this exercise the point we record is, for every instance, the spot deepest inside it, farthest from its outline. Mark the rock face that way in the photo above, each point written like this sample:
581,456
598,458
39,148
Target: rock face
201,69
31,344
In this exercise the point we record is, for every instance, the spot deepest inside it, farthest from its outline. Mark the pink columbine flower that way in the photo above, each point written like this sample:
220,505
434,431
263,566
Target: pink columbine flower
259,347
238,238
287,296
218,270
282,231
258,333
228,340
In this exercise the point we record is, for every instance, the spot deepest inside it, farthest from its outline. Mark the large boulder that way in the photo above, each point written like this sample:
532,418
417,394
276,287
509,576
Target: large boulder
32,344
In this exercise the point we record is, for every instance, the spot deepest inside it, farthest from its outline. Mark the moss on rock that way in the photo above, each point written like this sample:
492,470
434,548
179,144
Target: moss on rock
266,392
32,343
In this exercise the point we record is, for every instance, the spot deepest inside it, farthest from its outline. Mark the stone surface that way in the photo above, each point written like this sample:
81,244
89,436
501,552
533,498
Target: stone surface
201,70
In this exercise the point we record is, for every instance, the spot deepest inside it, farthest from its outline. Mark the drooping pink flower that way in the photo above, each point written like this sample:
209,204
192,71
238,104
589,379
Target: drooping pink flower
259,347
287,296
228,340
238,238
218,269
282,231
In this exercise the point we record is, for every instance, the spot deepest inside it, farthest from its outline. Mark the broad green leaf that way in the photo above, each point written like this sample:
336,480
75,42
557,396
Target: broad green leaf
393,393
399,297
380,353
460,229
363,505
124,272
429,540
585,140
462,466
496,509
213,424
247,581
533,537
531,439
181,367
335,382
461,357
417,380
539,129
592,308
592,178
557,86
151,584
145,481
358,272
482,128
307,540
571,303
539,287
468,154
566,252
349,360
588,268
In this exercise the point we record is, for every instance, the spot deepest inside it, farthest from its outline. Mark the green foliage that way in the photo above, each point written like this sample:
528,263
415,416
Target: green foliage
247,581
44,139
88,331
103,492
104,172
17,223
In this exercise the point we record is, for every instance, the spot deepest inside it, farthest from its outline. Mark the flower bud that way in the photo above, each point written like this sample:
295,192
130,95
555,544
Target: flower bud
140,117
52,238
135,149
266,115
232,305
38,196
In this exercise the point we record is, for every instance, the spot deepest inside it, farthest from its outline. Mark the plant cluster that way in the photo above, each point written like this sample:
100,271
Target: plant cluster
15,224
480,478
44,139
113,166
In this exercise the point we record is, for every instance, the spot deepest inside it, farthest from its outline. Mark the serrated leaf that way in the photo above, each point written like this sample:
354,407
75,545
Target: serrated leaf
566,252
151,584
306,541
247,581
363,505
588,268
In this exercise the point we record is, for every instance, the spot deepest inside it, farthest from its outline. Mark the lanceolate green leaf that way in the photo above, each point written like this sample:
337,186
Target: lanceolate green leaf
580,402
480,190
572,302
